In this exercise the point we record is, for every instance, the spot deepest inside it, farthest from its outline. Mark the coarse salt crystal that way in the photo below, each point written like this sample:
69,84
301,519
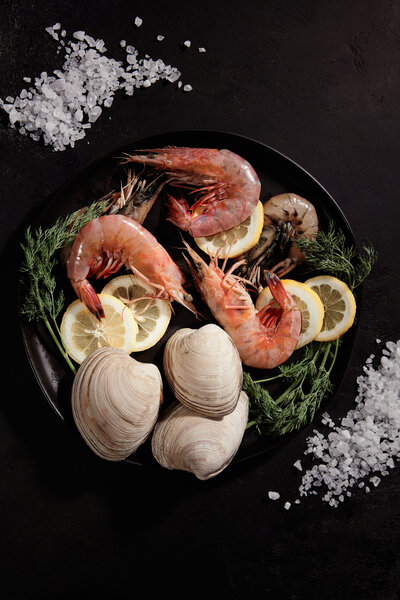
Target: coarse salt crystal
90,40
131,59
367,440
187,88
201,49
59,108
138,21
160,38
375,480
52,31
79,35
187,43
273,495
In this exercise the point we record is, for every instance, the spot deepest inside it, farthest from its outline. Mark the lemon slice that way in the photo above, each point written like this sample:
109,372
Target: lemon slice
307,300
237,240
339,304
151,314
82,332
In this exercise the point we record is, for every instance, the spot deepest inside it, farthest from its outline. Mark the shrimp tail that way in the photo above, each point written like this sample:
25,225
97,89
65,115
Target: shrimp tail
86,294
280,295
178,212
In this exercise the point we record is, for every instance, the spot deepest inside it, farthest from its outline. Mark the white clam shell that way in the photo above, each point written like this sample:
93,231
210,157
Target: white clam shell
115,402
203,369
188,441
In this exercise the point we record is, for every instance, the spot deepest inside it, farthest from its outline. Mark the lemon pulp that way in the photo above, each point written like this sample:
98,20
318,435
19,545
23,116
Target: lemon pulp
339,306
237,240
82,332
151,314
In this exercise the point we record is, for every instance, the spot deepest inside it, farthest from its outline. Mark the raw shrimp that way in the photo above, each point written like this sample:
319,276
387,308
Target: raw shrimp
107,243
225,185
265,338
134,199
286,218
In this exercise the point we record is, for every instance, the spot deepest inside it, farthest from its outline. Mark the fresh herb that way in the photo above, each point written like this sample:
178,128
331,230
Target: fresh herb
309,383
329,253
39,249
309,379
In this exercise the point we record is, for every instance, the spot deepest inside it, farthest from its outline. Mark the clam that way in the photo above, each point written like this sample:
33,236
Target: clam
203,369
115,402
188,441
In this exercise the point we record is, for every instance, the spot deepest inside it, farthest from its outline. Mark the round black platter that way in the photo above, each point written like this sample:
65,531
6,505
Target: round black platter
277,173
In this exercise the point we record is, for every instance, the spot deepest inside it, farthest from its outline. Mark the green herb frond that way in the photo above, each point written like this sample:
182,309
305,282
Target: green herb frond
329,252
42,302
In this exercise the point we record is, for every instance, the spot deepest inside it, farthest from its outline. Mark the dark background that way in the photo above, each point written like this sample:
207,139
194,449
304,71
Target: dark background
317,81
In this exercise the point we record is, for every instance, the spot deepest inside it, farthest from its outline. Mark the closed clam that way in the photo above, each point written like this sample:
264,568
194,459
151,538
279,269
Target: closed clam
204,370
115,402
188,441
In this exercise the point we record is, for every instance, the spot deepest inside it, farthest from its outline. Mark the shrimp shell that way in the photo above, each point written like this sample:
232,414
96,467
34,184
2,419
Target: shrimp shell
227,187
107,243
264,339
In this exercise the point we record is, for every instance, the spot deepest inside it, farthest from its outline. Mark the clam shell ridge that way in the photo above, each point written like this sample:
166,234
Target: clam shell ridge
187,441
203,369
115,402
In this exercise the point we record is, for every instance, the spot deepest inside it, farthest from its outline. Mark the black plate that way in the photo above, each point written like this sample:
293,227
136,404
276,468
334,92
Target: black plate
277,174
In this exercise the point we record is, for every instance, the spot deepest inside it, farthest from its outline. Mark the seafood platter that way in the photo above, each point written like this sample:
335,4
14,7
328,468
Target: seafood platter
179,219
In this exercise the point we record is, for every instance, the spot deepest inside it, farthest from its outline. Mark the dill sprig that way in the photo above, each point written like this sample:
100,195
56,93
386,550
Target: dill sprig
296,406
308,379
329,253
39,251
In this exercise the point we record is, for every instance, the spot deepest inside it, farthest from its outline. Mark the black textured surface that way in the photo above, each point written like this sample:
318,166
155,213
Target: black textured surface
317,81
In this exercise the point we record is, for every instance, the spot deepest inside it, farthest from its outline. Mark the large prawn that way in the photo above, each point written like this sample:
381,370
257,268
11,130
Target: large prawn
107,243
225,185
265,338
286,218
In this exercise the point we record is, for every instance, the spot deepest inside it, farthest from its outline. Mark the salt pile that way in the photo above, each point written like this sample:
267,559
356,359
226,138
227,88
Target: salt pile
59,108
364,447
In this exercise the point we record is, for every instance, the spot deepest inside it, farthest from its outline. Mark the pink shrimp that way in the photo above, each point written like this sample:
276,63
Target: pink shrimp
265,338
107,243
226,185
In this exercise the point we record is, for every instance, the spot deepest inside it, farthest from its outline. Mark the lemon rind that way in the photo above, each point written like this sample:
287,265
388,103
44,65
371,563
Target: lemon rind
206,246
